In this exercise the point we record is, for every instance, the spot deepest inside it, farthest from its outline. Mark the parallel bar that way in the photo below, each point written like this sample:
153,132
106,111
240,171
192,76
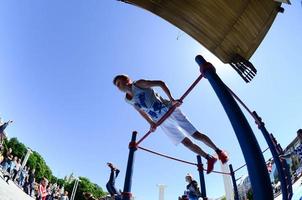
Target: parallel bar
129,171
272,146
236,196
201,179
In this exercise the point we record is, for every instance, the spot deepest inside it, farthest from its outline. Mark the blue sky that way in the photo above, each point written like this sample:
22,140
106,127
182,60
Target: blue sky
57,62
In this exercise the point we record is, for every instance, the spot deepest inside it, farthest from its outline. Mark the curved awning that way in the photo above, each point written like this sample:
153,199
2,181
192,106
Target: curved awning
231,30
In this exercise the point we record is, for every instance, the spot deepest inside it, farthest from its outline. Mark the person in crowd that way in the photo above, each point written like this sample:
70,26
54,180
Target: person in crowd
31,182
88,196
2,128
16,169
65,196
26,181
111,182
10,169
183,197
57,194
192,191
298,150
7,159
22,175
2,138
152,107
42,191
49,189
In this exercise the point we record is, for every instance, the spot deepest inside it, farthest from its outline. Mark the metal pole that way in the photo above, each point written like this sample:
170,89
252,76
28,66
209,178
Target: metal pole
126,195
236,197
26,158
74,189
275,155
72,193
288,179
256,166
201,178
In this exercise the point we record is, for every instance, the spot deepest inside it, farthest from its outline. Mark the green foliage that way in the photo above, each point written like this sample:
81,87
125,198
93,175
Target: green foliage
36,161
53,179
19,149
61,182
223,198
85,186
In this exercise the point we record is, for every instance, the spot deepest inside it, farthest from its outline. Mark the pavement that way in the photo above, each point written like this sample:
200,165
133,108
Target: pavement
11,191
297,188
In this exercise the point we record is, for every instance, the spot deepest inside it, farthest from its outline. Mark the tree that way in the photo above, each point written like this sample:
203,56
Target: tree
61,182
85,186
35,161
19,149
53,179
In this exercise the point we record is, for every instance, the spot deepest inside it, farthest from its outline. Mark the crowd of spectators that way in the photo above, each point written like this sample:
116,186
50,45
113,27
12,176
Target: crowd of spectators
24,177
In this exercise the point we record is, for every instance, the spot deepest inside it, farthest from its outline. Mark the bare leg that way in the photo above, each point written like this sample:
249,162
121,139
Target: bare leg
193,147
205,139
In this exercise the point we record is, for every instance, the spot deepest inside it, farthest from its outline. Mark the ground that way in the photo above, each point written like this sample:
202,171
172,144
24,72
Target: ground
11,191
297,188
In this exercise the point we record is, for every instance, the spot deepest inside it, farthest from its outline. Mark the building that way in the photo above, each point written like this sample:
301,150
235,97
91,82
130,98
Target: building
243,187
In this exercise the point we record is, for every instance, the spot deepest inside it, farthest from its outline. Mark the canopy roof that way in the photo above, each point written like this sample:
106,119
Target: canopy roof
226,27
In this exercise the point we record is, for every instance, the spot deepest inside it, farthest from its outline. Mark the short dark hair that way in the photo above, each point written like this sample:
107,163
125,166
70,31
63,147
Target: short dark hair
299,131
122,76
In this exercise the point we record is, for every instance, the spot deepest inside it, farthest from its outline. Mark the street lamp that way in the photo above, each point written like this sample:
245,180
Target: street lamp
75,187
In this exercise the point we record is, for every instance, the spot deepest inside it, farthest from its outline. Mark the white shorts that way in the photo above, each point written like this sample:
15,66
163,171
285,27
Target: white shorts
177,127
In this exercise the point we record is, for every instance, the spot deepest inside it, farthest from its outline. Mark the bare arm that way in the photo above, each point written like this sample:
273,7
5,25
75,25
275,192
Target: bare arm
145,116
148,119
155,83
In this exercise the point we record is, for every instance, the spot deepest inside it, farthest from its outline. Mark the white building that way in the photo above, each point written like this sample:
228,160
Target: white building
243,187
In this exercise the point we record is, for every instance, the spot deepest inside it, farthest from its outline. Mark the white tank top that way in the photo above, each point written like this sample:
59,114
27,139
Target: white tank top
149,101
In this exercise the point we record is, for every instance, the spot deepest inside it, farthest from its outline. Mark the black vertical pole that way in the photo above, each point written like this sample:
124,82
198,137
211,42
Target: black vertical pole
126,195
236,197
256,166
273,149
201,178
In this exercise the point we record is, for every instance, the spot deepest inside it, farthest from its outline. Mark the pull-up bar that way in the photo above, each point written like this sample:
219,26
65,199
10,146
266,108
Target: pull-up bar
177,159
252,153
